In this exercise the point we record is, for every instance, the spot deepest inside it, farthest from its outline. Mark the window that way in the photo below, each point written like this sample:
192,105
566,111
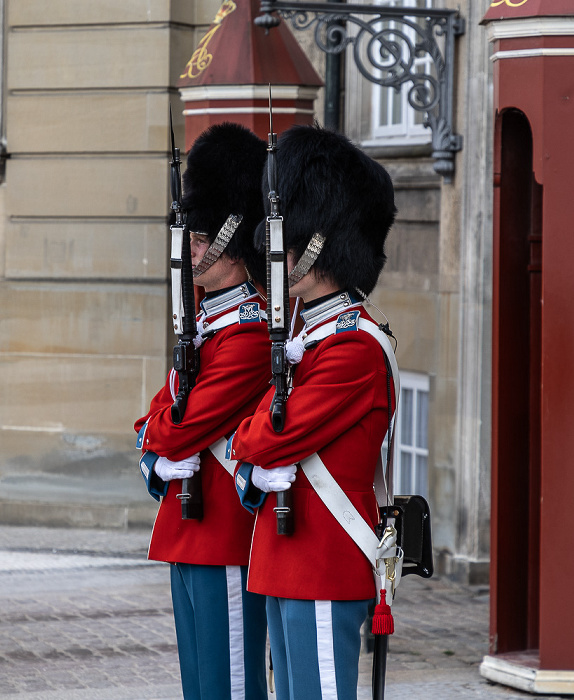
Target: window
390,119
411,437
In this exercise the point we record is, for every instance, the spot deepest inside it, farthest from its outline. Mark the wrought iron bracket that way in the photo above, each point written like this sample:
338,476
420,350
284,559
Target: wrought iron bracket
386,41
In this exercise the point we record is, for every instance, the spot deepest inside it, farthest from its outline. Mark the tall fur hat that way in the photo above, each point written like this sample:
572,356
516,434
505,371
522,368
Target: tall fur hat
223,177
327,184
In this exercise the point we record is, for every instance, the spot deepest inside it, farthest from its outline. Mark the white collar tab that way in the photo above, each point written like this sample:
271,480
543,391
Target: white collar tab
330,307
226,300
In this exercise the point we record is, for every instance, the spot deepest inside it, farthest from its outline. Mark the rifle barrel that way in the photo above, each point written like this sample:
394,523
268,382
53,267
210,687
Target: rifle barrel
278,315
185,355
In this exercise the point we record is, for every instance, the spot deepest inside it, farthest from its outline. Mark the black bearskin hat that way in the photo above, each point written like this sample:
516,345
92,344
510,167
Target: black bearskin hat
327,185
223,177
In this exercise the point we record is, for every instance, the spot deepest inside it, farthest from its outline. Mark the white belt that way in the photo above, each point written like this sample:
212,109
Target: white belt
218,450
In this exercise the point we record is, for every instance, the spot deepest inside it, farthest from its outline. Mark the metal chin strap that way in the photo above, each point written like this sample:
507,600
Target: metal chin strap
305,262
214,251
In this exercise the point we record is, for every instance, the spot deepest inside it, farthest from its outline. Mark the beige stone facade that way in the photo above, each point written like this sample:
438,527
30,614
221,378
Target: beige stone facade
84,342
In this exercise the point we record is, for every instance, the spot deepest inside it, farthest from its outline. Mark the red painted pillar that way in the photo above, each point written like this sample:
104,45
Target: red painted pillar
532,570
228,76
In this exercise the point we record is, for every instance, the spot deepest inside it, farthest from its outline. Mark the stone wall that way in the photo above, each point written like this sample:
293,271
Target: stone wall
84,339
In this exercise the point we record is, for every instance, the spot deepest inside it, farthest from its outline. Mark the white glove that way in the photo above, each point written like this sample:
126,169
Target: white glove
276,479
184,469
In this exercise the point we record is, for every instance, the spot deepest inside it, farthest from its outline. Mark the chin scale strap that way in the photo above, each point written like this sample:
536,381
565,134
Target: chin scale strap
213,253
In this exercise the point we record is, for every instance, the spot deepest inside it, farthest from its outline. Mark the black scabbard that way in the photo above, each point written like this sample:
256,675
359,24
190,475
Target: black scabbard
380,665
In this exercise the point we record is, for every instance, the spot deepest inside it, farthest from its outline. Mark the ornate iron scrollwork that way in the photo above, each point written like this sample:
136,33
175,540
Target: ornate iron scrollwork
386,41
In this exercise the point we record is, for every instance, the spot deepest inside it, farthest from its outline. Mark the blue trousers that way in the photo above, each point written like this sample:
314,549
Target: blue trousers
221,633
315,646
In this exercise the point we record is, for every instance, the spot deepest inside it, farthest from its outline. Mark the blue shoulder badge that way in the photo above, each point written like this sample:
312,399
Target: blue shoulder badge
348,321
249,312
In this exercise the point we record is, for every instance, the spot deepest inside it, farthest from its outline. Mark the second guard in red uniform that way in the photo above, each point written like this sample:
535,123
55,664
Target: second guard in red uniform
338,206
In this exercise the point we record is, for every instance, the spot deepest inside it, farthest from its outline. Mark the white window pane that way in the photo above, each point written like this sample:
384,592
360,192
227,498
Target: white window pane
422,419
383,107
406,481
407,400
397,104
421,476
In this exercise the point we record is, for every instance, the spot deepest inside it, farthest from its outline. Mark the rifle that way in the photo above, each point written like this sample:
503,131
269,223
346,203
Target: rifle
277,315
185,355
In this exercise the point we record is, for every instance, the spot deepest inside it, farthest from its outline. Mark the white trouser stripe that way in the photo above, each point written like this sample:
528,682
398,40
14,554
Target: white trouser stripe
236,650
325,651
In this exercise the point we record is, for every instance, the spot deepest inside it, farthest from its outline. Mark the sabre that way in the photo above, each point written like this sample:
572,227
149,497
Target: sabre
185,355
277,315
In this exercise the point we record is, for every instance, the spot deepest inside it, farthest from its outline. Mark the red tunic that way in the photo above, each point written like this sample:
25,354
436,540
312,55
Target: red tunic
338,408
234,374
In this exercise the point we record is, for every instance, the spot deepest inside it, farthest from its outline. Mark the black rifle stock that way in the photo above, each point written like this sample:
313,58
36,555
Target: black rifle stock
185,355
277,316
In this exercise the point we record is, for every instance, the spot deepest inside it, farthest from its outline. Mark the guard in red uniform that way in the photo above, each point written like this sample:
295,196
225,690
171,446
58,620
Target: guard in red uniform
221,628
338,206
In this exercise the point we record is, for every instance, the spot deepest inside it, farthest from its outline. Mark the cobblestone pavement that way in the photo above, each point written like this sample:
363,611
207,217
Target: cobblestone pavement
84,616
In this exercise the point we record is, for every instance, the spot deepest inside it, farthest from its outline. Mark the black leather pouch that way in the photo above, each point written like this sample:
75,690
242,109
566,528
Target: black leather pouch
413,525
